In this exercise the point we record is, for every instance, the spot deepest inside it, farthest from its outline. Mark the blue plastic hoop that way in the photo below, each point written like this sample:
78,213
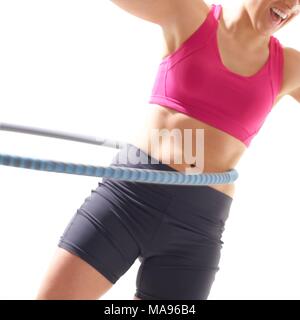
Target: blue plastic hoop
111,172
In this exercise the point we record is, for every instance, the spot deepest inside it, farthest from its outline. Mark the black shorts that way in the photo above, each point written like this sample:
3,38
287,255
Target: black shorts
175,232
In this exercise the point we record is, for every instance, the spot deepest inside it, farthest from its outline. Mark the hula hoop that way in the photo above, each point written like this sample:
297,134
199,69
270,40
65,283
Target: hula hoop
111,172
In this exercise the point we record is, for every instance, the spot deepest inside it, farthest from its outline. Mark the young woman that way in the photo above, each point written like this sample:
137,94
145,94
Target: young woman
223,72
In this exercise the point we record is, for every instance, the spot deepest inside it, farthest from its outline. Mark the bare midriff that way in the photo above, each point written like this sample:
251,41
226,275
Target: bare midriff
221,150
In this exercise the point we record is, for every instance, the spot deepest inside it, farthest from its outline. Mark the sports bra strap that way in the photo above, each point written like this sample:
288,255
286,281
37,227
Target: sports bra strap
217,11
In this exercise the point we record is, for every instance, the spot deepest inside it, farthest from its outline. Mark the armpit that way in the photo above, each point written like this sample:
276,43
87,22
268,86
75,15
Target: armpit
295,94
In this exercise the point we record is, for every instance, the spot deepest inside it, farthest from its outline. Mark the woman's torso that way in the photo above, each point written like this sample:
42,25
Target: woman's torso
221,150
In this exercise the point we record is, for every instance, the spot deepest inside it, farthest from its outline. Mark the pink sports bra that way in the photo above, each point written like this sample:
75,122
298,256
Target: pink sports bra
194,81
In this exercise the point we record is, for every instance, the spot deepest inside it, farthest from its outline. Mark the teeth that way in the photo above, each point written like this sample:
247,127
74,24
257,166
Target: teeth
280,13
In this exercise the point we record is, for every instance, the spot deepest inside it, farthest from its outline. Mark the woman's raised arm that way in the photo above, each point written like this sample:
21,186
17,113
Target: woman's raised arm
156,11
161,12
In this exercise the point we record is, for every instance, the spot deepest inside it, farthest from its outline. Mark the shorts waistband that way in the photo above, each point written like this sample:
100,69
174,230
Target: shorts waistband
132,156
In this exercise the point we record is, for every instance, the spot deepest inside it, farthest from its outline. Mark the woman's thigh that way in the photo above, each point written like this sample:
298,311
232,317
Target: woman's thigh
183,258
70,277
109,231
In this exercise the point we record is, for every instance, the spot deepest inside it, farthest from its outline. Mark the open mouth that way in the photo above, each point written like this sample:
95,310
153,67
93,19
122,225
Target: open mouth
275,17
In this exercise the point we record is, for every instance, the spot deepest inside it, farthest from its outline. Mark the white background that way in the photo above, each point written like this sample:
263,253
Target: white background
88,67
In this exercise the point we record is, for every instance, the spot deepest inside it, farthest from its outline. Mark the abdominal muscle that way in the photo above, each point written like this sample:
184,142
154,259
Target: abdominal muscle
221,150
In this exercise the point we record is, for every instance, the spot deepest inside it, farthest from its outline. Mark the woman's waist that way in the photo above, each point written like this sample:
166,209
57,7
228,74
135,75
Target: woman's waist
176,138
201,155
167,158
205,156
